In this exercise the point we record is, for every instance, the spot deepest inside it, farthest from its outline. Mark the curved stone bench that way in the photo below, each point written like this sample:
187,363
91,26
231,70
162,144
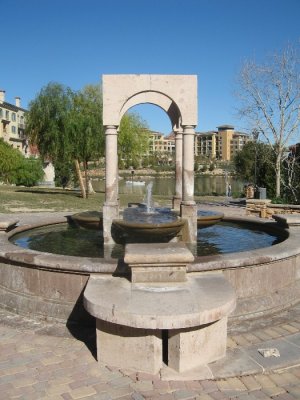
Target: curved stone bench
163,315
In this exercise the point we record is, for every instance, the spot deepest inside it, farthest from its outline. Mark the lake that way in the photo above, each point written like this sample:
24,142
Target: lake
204,185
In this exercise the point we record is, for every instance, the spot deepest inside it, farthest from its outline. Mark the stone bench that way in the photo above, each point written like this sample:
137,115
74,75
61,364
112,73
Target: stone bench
168,316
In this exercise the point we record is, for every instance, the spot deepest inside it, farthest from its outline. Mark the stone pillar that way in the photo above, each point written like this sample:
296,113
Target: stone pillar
111,205
188,209
178,171
190,348
129,348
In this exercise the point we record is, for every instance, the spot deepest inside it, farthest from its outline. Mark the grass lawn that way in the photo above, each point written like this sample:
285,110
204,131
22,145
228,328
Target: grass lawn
15,199
21,199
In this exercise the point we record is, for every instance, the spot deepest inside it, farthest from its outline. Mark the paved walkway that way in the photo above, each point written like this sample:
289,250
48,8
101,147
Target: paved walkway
39,362
43,361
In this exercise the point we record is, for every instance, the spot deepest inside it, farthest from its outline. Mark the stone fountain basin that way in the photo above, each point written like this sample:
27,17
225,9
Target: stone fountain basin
206,218
141,232
50,286
87,219
94,220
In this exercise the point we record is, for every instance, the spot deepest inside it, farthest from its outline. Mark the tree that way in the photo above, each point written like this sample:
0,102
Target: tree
133,140
67,126
270,101
291,173
254,163
16,169
86,127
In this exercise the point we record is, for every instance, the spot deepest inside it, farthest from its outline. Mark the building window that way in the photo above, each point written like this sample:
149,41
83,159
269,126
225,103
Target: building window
7,114
13,117
13,129
1,113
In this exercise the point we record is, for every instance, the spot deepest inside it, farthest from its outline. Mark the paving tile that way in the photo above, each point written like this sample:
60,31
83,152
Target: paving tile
294,391
116,393
259,395
272,333
284,396
209,386
184,394
265,381
236,363
82,392
295,339
241,340
289,354
250,383
273,390
290,328
203,397
141,386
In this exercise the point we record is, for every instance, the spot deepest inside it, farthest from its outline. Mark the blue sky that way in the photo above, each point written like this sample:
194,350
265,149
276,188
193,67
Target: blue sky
74,42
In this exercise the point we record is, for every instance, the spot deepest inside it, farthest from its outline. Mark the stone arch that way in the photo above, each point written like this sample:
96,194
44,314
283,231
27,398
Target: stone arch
158,99
177,96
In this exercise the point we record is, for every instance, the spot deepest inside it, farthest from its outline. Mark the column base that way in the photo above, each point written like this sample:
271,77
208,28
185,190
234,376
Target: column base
110,212
188,211
176,203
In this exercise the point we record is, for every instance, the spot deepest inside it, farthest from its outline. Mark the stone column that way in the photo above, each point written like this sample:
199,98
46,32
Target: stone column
111,205
178,171
188,209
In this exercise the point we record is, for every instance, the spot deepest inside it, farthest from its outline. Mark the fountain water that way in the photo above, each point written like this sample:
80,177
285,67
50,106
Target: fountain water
149,197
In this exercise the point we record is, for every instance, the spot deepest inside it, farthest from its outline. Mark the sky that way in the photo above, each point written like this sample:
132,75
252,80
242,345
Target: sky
75,42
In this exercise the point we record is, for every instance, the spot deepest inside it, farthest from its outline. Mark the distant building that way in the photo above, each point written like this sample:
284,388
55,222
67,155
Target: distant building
12,124
158,143
222,144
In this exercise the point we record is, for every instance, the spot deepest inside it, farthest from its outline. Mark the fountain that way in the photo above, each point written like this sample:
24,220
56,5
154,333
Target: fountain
159,295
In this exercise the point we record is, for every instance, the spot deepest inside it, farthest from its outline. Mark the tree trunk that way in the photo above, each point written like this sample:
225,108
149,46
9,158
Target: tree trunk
86,178
278,174
82,188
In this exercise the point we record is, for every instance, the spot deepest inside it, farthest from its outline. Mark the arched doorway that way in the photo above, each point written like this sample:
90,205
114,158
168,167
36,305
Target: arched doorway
177,96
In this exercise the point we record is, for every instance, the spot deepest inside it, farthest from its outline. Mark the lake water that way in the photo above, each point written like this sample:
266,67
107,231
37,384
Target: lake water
204,185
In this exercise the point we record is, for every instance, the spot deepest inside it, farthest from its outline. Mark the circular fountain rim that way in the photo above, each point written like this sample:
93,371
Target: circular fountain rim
289,247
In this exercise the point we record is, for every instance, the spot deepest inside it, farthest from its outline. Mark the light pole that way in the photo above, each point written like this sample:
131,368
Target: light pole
255,134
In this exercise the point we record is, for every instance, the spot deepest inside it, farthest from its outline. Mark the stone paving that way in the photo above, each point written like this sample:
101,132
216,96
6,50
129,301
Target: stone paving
40,362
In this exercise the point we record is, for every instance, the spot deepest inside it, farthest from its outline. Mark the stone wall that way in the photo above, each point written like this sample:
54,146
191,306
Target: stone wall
264,208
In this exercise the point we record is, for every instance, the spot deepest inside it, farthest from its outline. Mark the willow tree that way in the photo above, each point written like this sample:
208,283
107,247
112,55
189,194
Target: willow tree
46,123
270,101
133,140
86,127
66,125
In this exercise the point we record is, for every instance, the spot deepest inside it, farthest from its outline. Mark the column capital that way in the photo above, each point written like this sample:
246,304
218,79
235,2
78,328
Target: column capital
188,129
178,135
111,129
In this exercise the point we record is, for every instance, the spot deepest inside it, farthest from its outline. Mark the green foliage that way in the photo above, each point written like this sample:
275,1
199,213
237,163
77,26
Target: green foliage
16,169
255,164
132,141
47,119
10,162
64,173
29,173
85,124
67,125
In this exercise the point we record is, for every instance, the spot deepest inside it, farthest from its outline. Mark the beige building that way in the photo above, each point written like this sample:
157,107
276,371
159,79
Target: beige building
222,144
12,124
158,143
